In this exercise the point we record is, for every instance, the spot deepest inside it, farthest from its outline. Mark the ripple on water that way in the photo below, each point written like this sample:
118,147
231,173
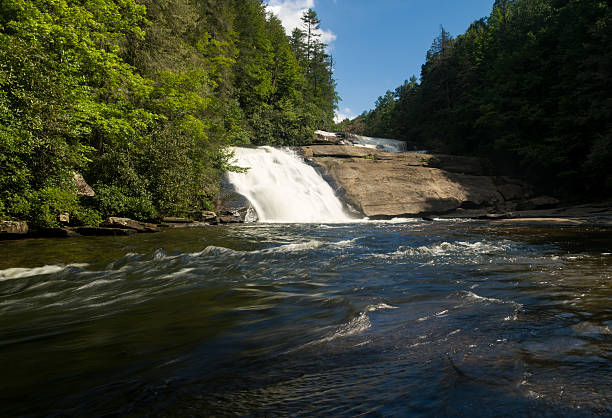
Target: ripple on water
370,318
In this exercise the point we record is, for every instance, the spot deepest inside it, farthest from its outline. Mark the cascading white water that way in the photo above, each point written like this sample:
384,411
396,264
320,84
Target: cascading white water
384,144
283,188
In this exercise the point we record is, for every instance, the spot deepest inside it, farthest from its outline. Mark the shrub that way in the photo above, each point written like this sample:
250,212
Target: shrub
114,201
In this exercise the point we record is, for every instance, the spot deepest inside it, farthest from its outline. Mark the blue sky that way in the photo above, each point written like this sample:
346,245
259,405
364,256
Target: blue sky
377,44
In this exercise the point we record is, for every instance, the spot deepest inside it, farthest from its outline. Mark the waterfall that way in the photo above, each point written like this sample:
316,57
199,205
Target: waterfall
384,144
283,188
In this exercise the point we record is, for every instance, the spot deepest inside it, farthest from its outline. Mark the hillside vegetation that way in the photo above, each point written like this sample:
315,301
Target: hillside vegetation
143,98
528,87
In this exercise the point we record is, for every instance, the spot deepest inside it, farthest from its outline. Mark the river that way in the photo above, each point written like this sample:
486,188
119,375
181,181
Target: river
396,318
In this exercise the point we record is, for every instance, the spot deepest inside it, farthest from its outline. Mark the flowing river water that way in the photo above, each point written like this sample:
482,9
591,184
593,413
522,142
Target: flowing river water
383,318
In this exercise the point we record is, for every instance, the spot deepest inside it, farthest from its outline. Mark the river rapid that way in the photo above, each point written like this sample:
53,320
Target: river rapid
396,318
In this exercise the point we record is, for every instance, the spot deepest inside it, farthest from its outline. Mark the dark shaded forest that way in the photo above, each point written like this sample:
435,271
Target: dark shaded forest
529,88
143,98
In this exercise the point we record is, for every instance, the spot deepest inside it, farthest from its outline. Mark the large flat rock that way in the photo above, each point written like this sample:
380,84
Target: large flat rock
382,184
452,163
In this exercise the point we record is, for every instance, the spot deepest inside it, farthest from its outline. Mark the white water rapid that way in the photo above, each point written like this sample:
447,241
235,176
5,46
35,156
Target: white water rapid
283,188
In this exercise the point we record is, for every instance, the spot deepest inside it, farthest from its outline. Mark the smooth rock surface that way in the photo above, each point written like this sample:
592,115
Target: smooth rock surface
382,184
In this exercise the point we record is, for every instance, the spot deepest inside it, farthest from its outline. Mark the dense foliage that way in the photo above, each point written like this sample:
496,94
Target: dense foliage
529,87
143,97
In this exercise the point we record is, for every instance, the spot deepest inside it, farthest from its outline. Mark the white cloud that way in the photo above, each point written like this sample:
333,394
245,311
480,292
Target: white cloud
342,114
290,12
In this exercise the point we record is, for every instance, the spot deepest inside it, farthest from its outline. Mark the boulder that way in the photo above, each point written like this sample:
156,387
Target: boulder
229,219
13,228
83,189
403,184
233,207
127,223
203,215
64,218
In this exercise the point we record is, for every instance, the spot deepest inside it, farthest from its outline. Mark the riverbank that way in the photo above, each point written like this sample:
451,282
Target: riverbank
586,215
373,184
117,226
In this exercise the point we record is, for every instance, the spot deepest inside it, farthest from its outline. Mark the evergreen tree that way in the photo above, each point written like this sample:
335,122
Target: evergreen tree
525,87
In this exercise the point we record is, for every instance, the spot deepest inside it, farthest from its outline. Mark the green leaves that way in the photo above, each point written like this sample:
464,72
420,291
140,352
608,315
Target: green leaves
527,87
143,97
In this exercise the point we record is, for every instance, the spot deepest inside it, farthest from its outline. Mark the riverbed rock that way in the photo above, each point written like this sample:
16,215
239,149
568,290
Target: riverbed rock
203,215
8,228
383,185
232,207
450,163
127,223
176,220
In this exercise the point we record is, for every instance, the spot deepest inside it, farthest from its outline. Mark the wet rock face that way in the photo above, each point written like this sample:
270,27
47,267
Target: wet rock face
232,207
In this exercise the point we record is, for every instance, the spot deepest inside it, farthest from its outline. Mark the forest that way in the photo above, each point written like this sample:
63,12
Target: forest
143,98
528,87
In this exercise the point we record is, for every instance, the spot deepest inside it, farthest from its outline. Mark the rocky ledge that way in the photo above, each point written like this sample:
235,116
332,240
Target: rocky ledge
117,226
383,185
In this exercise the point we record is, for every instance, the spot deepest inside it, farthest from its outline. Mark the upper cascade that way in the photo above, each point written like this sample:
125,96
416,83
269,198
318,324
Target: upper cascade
283,188
384,144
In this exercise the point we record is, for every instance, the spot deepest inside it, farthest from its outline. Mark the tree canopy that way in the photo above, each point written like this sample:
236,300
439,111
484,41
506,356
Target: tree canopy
144,97
528,87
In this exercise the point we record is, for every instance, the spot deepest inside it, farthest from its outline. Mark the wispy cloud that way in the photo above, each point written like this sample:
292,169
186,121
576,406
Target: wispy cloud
290,12
342,114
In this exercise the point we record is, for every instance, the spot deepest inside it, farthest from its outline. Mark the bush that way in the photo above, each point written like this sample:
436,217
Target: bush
85,216
113,201
49,202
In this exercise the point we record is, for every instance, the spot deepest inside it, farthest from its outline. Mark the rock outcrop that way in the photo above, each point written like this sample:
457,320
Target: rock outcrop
383,185
13,228
83,189
232,207
127,223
